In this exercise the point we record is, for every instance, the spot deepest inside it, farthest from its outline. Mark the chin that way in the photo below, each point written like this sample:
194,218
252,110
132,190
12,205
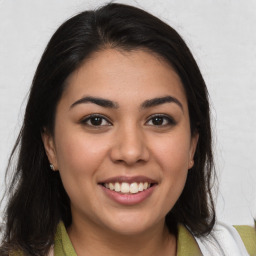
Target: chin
130,223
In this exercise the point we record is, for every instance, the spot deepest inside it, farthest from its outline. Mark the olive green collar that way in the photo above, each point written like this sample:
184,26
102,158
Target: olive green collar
186,244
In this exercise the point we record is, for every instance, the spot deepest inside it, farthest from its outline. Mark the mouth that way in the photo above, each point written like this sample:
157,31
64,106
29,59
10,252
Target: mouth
128,185
128,188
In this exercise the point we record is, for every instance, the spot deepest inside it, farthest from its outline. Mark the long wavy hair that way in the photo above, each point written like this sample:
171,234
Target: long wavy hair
37,200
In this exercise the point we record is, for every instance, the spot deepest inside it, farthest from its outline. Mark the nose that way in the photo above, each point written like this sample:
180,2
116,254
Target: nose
129,146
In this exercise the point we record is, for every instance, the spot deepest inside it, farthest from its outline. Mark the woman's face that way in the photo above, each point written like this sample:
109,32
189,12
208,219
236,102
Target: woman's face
122,141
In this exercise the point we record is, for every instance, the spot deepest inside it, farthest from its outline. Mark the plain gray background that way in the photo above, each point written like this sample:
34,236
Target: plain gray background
222,36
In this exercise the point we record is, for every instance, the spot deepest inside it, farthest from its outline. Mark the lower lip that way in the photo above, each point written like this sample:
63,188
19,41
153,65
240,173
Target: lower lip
129,199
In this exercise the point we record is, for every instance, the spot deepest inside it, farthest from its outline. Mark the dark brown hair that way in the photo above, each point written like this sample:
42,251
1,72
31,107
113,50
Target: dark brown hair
37,199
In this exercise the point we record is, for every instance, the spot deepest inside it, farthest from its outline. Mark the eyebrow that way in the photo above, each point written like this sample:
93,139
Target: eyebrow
111,104
98,101
161,100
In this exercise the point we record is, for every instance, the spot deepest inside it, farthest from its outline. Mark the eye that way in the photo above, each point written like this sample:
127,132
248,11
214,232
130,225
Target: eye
95,120
160,120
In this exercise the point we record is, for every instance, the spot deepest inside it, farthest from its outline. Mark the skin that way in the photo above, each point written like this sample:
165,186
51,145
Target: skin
127,143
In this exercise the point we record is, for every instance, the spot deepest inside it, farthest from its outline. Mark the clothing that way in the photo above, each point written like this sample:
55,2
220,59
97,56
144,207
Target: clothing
223,240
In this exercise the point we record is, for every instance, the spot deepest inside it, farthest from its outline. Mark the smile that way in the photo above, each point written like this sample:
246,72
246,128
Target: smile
128,188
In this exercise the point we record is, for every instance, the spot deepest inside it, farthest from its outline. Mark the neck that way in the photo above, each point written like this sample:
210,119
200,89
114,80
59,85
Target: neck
97,241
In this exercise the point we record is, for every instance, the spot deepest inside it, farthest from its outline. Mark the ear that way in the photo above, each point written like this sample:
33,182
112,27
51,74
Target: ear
193,145
49,147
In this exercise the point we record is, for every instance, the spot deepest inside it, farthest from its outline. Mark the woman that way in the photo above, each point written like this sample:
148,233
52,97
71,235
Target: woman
115,151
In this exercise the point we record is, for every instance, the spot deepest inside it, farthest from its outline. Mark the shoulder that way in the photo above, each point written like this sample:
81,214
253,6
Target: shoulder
248,236
186,243
62,243
224,239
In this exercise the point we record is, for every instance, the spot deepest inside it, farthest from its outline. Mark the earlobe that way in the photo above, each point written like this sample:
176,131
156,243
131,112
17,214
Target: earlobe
49,147
193,146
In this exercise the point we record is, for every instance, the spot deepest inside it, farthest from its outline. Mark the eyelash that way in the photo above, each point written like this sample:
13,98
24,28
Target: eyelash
90,117
167,120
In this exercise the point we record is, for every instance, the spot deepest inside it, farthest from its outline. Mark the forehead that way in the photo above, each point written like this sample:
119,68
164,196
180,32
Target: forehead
122,76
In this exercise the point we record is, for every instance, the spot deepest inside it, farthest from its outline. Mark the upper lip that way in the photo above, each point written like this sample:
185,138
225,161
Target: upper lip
128,179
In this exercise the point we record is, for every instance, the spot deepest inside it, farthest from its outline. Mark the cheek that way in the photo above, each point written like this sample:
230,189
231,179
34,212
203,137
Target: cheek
79,153
173,153
79,158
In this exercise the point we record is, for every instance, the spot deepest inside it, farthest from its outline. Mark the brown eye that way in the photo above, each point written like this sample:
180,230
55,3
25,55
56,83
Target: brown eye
96,120
160,120
157,120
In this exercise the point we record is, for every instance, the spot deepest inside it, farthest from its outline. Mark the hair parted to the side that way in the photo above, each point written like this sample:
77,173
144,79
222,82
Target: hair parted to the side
37,200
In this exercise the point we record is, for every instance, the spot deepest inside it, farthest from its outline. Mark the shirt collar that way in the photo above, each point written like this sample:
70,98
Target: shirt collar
186,243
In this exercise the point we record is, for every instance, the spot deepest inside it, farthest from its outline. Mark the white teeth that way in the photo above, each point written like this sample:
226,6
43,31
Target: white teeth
117,187
134,188
126,188
111,186
141,186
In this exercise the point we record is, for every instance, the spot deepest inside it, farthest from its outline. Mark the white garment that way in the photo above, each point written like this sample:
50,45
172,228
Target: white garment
224,240
51,252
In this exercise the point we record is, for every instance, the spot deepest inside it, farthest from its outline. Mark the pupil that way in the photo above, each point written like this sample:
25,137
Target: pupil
96,121
157,120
